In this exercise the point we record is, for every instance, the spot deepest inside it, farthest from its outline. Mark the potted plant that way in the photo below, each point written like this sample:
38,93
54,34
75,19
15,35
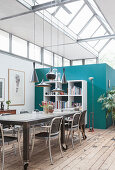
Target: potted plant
8,103
47,106
108,102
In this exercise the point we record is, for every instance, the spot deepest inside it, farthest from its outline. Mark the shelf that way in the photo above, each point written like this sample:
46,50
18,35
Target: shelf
76,95
49,95
62,95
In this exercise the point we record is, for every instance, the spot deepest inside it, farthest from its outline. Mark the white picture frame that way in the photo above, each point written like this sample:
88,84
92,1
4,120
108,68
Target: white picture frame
2,89
16,87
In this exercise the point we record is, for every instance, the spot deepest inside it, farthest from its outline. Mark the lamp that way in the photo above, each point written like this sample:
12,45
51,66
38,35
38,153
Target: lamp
92,112
63,77
43,84
51,75
34,76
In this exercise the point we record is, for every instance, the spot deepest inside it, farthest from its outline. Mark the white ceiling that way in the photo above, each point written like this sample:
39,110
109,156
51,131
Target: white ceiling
23,26
107,8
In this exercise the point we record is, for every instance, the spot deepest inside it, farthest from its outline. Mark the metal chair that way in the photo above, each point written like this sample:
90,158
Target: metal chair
4,139
72,125
54,130
82,124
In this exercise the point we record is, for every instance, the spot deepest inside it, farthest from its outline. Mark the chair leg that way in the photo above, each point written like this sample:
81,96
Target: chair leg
2,157
33,142
50,152
60,145
14,149
72,135
19,147
79,136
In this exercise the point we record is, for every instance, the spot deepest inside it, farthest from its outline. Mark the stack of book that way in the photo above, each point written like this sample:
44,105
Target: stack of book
76,91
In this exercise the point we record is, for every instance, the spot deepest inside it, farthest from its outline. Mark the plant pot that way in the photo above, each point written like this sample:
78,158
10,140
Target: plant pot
46,110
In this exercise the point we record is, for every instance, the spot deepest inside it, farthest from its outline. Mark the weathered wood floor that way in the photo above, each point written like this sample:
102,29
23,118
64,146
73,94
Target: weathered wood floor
97,152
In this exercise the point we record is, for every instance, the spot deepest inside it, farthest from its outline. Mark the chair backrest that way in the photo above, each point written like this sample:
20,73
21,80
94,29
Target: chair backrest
23,112
75,121
1,134
82,118
55,126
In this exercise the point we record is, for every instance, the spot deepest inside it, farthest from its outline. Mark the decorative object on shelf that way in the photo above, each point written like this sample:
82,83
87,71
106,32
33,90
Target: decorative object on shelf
43,84
2,89
91,129
2,106
108,103
63,77
16,87
47,106
51,75
34,76
8,102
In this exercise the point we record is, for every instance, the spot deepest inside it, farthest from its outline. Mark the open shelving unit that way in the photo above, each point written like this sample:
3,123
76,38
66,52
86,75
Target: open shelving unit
75,94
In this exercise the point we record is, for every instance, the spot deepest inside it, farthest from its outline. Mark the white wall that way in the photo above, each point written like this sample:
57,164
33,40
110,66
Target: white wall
10,62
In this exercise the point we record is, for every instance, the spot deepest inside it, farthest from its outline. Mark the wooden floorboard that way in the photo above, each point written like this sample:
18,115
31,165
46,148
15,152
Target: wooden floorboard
97,152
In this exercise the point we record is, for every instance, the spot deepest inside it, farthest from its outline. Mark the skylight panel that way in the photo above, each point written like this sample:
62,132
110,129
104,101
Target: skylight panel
100,44
81,19
100,32
52,10
107,55
91,28
42,1
64,17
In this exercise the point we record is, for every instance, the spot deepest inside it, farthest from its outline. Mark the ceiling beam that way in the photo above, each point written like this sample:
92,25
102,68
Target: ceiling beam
51,4
96,38
39,8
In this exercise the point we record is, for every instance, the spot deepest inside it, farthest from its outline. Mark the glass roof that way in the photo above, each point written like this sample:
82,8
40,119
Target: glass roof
78,19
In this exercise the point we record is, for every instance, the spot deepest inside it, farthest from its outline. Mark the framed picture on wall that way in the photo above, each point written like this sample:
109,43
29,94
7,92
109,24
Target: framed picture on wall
2,89
16,87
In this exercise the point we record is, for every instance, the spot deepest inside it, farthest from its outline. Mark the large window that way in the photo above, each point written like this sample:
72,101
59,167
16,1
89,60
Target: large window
48,57
66,62
4,41
19,46
108,54
90,61
34,52
77,62
57,61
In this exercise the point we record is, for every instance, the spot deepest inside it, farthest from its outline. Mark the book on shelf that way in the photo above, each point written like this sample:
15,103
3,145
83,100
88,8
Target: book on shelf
61,104
76,91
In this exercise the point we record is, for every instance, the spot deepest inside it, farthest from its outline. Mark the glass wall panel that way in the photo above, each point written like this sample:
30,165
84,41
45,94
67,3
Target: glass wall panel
66,62
77,62
48,57
4,41
34,52
57,61
19,46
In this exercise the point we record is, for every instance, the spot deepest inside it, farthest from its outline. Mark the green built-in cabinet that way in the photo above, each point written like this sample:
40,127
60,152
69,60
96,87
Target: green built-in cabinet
101,73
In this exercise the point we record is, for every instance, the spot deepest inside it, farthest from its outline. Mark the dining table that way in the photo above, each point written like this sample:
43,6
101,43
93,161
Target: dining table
30,119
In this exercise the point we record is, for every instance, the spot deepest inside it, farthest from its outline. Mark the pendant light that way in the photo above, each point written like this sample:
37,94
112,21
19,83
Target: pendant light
57,90
43,84
34,76
63,76
50,75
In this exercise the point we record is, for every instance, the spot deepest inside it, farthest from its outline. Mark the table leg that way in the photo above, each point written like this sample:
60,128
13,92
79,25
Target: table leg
26,128
64,146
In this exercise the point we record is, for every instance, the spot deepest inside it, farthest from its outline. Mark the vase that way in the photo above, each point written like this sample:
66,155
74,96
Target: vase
46,110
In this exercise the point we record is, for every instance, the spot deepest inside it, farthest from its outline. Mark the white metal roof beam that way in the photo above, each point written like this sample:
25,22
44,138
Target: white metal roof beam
97,16
39,8
96,38
51,4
